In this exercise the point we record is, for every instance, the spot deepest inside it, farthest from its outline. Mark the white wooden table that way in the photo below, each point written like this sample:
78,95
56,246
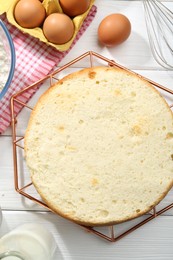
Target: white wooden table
152,241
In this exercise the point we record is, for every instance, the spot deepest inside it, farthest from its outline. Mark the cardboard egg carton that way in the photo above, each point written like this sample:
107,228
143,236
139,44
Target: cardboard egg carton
51,6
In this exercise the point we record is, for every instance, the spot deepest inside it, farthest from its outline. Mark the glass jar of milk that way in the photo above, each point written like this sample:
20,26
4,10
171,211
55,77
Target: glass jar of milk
28,242
12,255
0,216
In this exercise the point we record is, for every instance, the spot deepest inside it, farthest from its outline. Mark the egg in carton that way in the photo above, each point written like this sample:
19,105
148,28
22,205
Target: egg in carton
51,6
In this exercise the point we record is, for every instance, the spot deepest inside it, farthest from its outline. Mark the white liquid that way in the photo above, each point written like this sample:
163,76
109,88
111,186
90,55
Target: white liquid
31,240
0,216
11,258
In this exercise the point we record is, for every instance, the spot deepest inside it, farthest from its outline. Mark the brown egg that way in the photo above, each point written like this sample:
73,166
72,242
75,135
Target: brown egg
58,28
114,29
74,7
29,13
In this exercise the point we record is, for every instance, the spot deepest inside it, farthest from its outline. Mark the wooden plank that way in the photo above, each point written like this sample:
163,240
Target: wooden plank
152,242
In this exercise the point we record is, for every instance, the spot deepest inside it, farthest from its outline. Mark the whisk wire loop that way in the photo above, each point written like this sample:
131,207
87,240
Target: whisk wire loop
159,23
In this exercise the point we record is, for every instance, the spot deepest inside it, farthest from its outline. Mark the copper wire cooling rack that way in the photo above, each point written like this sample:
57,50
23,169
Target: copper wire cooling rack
17,101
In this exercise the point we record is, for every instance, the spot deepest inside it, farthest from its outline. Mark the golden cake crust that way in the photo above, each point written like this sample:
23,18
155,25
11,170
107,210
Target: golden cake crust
99,146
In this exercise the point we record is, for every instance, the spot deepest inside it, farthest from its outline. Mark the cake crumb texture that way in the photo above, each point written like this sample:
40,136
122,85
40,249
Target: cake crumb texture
99,146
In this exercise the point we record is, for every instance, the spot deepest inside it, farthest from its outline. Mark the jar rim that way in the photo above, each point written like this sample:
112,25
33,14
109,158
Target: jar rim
13,253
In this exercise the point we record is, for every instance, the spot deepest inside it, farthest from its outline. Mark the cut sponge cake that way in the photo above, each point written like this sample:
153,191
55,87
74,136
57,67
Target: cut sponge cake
99,146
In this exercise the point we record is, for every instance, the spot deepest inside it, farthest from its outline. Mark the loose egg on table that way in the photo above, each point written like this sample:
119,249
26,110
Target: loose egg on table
29,13
58,28
114,29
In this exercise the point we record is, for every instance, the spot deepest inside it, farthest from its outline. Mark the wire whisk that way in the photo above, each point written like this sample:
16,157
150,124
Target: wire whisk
159,23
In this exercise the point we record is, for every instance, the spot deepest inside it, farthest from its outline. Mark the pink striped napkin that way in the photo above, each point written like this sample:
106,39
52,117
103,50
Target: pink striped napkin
34,60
